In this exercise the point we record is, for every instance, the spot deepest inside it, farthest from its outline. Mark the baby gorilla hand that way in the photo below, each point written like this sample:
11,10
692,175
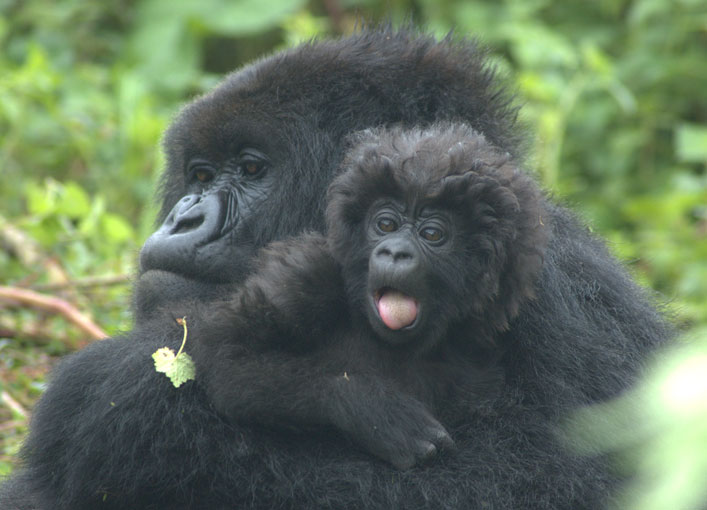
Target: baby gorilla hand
387,423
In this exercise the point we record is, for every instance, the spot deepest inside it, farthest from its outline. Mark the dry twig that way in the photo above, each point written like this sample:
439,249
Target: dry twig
13,404
53,304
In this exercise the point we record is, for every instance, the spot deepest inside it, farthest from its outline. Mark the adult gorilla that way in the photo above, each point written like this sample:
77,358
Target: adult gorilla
249,163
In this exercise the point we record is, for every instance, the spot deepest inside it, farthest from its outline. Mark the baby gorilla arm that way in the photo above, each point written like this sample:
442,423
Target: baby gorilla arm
282,353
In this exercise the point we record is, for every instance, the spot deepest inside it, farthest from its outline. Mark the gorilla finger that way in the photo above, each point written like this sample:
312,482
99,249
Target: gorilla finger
426,450
442,439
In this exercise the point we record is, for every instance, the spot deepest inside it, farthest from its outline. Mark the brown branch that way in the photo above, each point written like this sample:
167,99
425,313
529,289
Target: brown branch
54,305
13,404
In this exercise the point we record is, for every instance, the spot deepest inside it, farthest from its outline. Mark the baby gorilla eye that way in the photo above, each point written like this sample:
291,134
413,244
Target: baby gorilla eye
432,234
387,225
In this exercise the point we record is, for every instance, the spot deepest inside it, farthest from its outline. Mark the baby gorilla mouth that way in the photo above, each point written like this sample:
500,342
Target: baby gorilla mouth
396,310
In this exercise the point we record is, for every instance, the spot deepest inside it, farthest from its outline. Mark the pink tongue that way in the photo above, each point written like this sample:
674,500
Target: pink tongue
396,309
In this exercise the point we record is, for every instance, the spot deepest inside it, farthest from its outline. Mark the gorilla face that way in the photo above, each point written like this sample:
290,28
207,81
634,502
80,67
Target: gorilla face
406,245
435,228
196,236
221,177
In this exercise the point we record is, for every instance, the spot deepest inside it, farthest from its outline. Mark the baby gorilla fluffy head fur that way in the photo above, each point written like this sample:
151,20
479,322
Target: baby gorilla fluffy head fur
379,330
433,228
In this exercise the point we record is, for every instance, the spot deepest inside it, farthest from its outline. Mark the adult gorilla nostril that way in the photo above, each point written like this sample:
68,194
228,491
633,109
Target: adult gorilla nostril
186,224
190,200
188,215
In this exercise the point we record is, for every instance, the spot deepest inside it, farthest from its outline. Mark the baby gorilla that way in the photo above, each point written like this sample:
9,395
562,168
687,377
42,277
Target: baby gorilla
432,234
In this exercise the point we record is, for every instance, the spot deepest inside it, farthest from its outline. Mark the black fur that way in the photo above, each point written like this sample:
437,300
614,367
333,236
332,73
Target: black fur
111,433
324,359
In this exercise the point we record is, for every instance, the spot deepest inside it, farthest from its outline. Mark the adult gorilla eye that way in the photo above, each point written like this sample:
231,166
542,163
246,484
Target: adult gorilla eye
432,234
252,163
203,174
252,168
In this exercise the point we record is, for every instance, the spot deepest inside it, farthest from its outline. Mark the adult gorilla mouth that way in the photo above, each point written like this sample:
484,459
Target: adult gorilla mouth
396,309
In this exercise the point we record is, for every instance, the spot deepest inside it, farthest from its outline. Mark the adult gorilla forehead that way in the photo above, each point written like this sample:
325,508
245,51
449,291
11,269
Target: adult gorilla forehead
214,127
371,78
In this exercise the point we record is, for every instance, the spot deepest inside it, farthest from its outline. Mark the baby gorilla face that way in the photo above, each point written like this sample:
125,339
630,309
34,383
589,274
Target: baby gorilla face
404,246
436,230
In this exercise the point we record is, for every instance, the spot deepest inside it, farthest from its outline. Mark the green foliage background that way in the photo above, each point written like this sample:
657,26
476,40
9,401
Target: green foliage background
614,90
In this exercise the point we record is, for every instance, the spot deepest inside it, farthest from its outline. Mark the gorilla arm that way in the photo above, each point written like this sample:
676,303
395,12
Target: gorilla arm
294,299
283,354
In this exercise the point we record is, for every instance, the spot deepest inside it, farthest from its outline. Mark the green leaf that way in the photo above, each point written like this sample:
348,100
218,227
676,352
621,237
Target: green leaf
39,201
164,358
179,368
691,143
116,228
73,201
182,370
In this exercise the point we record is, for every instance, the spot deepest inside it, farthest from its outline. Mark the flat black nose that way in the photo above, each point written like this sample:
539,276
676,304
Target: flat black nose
194,221
397,252
188,214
